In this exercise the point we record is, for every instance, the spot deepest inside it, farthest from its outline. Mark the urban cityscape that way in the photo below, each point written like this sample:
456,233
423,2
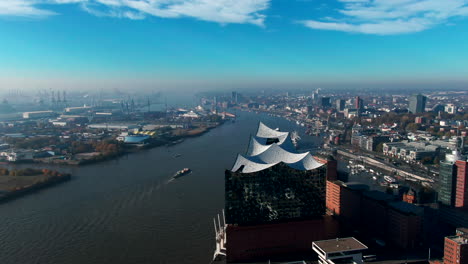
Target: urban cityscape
247,131
385,173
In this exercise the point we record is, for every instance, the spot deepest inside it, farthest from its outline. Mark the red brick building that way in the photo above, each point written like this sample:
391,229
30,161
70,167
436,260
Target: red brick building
409,197
456,248
344,200
376,214
461,187
277,241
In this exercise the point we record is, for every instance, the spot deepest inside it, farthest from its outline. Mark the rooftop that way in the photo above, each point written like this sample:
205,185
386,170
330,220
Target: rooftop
269,148
461,240
340,245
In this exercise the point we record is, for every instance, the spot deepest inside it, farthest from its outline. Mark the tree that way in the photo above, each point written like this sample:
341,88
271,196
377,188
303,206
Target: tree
412,127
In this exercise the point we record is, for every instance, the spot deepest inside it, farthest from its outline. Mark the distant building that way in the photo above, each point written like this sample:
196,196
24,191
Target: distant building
17,155
409,197
351,113
325,102
136,139
77,110
456,248
438,108
340,105
451,109
412,152
113,126
417,104
234,96
38,114
339,250
419,120
358,103
370,142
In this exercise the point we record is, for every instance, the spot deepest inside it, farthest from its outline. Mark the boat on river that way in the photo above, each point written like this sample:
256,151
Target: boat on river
182,172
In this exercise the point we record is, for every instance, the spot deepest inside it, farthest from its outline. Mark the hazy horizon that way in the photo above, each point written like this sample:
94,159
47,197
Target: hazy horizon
222,44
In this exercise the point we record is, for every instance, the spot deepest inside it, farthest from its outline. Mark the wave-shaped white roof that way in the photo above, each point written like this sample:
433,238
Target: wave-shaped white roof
266,132
261,156
258,145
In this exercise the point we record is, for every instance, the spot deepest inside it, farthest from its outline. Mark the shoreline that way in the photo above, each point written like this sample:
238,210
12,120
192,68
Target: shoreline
18,193
172,141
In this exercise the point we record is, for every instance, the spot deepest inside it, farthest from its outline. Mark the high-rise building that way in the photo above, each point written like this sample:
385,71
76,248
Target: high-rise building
461,187
272,182
277,195
325,102
340,104
448,176
358,103
234,97
417,104
456,248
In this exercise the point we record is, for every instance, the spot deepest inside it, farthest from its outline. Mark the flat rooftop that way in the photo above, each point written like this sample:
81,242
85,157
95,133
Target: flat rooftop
340,245
461,240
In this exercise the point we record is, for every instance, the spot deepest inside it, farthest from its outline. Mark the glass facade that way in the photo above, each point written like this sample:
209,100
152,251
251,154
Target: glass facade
275,194
447,176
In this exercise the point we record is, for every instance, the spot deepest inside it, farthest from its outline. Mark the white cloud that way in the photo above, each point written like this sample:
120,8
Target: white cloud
389,17
23,8
220,11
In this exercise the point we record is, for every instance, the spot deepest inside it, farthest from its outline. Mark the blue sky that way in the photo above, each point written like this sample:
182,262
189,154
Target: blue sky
105,42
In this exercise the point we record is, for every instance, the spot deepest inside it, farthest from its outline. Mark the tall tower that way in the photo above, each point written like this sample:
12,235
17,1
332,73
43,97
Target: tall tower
448,177
417,104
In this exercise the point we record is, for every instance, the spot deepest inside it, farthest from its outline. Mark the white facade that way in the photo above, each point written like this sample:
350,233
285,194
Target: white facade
14,156
340,250
38,114
451,109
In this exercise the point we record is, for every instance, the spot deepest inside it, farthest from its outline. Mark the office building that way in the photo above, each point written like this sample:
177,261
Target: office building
340,105
325,102
417,104
456,248
448,176
358,103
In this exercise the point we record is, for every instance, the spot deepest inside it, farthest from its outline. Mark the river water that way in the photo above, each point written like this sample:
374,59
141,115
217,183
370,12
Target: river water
127,210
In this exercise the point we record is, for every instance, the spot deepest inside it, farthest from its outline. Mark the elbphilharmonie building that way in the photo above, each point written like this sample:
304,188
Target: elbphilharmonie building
273,183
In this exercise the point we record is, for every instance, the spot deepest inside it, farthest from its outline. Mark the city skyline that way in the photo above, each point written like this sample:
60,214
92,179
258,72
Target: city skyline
224,44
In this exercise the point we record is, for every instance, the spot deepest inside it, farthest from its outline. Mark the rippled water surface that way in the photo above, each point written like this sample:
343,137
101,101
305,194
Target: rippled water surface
128,210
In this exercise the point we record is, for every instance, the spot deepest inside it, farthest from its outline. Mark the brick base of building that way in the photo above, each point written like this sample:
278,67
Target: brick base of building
281,241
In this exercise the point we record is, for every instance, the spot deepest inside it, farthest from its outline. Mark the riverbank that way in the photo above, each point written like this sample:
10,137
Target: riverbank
177,136
12,187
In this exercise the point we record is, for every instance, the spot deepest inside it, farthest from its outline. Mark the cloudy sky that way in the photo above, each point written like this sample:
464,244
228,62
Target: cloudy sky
229,42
